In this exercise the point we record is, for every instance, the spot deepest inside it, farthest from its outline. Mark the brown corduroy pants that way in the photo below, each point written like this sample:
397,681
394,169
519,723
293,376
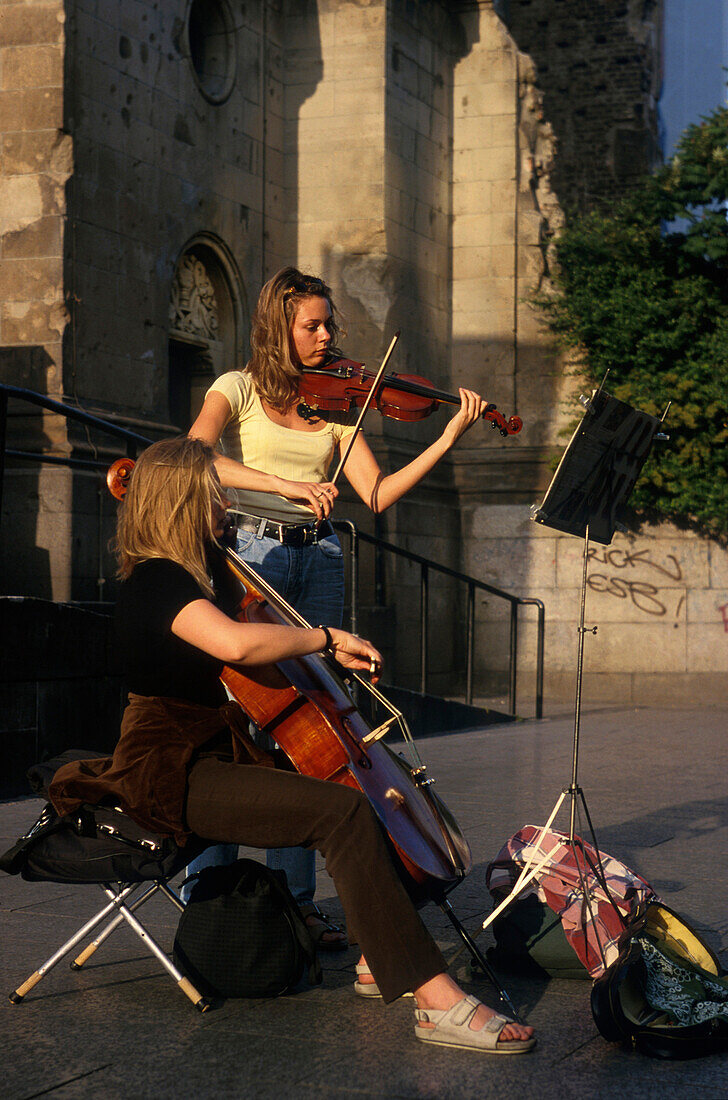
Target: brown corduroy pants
266,808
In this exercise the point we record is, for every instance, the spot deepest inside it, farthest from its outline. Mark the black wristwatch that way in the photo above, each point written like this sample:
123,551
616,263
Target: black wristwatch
329,640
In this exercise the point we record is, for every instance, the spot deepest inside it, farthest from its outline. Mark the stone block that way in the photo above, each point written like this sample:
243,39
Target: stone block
717,565
30,24
353,23
691,689
22,279
31,109
481,164
496,561
474,198
502,137
641,647
33,152
481,63
487,97
40,238
486,324
32,322
511,521
708,606
707,646
471,261
21,202
31,66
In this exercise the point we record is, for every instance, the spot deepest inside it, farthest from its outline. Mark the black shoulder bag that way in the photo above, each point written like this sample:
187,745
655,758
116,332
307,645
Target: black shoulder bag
242,934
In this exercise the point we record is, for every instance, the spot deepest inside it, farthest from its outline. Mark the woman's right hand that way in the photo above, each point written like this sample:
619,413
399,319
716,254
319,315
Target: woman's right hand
318,496
351,651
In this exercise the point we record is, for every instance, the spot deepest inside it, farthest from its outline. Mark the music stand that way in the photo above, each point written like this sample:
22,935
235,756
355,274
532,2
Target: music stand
594,479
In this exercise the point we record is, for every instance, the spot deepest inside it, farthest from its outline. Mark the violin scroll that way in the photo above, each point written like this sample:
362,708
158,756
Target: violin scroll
511,426
118,475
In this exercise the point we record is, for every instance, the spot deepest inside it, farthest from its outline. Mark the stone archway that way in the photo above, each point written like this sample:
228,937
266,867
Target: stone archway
208,321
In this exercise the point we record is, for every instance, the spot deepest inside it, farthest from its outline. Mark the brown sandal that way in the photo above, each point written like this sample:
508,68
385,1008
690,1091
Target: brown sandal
323,926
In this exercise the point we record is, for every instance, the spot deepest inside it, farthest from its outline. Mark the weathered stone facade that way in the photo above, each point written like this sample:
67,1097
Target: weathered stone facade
160,160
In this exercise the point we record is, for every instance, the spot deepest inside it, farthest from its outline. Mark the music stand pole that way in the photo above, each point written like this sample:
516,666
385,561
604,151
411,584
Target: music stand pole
595,476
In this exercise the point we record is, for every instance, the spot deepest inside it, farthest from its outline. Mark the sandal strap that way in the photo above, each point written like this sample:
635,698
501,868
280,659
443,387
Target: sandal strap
451,1021
311,909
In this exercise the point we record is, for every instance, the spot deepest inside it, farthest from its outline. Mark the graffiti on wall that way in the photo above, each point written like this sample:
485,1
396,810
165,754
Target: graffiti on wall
634,575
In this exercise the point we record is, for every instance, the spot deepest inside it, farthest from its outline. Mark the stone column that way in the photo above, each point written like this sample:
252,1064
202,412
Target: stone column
36,162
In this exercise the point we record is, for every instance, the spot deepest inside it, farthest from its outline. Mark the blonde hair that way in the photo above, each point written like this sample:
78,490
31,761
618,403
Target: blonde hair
275,375
167,509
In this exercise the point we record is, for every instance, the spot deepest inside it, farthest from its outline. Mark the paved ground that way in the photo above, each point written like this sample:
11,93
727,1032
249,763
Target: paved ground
657,788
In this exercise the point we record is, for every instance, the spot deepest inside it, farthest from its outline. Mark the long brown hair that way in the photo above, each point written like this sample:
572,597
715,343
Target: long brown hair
275,375
167,509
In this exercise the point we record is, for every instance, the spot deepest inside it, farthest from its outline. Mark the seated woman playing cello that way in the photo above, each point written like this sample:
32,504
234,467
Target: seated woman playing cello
183,764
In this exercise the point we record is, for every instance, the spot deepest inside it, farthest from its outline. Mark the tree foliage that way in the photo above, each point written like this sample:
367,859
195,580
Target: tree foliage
643,290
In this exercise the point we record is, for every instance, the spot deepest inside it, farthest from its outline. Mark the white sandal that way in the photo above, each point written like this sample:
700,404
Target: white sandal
369,989
452,1029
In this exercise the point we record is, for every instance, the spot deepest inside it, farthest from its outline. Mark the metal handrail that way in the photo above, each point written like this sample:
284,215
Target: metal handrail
472,583
135,441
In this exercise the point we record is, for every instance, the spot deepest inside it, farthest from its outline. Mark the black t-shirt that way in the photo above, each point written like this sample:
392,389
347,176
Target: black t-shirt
153,659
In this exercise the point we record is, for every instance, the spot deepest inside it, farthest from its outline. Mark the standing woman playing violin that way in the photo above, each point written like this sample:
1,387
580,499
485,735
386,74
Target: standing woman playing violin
183,763
276,463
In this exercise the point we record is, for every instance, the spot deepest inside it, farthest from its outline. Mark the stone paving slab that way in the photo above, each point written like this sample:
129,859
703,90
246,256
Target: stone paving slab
655,784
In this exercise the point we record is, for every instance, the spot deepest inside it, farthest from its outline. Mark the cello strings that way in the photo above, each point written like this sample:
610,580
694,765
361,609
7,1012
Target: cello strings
267,590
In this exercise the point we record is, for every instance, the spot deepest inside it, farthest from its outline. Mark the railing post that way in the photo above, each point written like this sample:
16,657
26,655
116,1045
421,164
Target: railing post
539,661
470,644
423,628
354,551
3,436
514,658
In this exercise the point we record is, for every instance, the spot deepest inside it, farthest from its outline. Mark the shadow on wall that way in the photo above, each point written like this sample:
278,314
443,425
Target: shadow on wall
598,68
20,555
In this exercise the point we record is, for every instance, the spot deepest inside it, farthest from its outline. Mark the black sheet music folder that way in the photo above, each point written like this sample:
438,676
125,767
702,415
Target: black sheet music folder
598,469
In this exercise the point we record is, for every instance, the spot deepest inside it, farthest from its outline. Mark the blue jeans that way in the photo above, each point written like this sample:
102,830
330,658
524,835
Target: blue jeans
311,579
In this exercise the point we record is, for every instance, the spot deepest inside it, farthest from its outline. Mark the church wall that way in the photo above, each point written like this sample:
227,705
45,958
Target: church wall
36,160
420,157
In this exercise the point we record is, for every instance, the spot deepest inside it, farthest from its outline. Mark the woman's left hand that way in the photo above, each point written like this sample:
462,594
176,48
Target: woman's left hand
472,407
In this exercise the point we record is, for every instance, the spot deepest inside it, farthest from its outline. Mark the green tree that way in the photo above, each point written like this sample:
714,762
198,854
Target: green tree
643,290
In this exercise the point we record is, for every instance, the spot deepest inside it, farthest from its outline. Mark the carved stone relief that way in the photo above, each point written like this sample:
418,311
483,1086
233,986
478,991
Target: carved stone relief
193,307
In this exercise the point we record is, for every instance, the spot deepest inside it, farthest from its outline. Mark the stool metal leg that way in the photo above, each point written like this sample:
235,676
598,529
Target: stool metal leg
118,897
17,996
200,1002
89,950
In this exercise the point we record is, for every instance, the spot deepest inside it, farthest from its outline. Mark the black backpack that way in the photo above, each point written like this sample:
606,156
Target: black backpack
242,934
666,994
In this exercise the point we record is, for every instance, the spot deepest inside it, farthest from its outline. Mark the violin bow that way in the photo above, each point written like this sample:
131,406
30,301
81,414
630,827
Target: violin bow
365,406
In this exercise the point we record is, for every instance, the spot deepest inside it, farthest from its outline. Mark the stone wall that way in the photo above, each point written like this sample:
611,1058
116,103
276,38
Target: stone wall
160,161
658,597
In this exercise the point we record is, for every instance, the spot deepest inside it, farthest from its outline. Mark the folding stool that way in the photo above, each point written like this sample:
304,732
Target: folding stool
110,847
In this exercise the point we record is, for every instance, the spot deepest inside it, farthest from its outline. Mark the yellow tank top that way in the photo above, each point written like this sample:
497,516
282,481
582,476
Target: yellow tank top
252,438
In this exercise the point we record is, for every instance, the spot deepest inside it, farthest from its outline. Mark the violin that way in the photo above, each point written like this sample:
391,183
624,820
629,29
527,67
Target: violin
306,706
344,385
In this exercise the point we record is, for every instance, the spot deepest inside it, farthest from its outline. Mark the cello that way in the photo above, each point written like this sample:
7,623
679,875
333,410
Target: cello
305,705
